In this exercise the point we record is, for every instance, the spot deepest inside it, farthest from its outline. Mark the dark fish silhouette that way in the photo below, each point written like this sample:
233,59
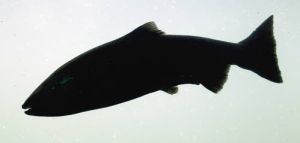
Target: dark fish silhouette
147,60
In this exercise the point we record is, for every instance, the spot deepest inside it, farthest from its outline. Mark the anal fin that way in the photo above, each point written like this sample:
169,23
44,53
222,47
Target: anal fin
215,79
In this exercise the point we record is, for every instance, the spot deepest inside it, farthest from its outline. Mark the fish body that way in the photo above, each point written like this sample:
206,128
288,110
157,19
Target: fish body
147,60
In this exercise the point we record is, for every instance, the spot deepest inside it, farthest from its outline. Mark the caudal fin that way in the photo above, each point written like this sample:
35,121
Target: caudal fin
258,52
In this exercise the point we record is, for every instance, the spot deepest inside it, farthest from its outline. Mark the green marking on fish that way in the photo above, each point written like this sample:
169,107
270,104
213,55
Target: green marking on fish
65,80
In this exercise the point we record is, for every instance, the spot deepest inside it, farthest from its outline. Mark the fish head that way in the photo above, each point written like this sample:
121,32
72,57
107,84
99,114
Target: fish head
56,96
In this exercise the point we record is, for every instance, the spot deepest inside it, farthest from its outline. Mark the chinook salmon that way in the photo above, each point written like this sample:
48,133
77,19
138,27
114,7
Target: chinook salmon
147,60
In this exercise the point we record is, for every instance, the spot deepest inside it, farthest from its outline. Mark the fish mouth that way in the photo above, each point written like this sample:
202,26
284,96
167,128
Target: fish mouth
40,111
37,110
47,110
26,107
29,110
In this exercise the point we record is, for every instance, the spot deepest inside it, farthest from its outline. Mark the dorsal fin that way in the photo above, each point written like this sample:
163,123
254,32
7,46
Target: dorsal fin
148,28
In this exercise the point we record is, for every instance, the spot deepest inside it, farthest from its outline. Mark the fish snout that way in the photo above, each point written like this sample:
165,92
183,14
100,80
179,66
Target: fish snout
34,100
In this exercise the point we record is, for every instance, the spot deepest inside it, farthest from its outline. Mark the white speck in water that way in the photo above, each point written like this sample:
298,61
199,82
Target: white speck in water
77,140
170,21
41,15
155,7
173,3
217,131
114,136
233,129
107,5
141,123
87,5
181,134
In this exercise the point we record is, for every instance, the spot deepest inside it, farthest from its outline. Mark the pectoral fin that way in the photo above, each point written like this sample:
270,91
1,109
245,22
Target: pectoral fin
171,90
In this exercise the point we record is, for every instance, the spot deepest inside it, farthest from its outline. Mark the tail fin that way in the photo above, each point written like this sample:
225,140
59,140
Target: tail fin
259,53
